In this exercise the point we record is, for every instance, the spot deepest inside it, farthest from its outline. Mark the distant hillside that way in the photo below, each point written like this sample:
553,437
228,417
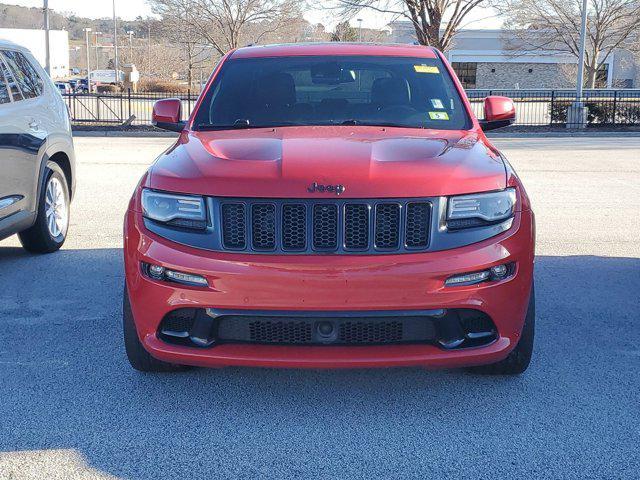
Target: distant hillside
13,16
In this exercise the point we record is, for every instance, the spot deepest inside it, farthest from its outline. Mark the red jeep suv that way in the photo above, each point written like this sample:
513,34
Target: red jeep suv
330,206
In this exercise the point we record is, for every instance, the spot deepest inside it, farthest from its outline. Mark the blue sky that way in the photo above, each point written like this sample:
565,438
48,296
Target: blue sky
129,9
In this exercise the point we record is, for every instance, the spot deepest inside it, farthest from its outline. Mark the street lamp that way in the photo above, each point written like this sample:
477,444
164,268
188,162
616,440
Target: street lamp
130,33
115,43
47,56
577,114
359,20
86,36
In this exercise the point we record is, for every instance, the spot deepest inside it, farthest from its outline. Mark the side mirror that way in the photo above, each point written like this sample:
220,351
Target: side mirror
498,112
166,114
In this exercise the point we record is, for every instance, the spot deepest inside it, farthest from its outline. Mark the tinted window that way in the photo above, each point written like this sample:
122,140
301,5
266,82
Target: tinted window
25,75
4,91
11,82
332,90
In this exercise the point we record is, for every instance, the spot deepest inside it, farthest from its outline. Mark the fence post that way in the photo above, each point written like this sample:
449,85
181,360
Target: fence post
615,103
97,107
129,101
189,101
553,97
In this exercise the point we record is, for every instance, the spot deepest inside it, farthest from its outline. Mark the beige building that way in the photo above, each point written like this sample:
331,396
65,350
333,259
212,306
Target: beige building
481,60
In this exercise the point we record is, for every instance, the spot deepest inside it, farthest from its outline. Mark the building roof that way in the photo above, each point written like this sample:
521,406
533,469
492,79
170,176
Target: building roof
335,48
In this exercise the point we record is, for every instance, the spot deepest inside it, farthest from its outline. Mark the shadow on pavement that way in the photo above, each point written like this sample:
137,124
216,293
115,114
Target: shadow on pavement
65,385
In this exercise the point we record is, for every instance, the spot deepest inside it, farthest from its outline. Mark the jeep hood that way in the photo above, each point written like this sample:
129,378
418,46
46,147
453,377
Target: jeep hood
370,162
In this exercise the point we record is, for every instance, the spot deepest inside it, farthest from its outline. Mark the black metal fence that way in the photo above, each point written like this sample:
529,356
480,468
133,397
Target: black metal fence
533,107
120,108
549,107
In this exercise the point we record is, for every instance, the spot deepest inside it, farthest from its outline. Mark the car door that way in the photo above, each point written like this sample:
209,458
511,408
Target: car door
22,134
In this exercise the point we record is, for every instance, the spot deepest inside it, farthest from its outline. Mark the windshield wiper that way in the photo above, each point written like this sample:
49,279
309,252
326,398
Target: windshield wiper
242,123
353,121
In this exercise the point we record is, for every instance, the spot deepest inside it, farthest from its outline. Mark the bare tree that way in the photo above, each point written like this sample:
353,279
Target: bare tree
344,33
554,26
178,27
436,22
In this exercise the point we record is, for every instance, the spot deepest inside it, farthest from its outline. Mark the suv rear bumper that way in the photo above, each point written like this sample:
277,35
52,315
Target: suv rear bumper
330,283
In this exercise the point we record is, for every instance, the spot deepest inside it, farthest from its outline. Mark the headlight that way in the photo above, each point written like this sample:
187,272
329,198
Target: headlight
187,211
466,211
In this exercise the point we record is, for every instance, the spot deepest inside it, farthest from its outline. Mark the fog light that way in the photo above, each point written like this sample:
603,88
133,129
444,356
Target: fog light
468,278
186,278
156,271
160,273
499,271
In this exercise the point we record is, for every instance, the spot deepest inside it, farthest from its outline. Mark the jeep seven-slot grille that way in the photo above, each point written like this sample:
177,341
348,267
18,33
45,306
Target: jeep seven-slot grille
325,226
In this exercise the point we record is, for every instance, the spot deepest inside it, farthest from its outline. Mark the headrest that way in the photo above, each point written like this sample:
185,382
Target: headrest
390,91
276,90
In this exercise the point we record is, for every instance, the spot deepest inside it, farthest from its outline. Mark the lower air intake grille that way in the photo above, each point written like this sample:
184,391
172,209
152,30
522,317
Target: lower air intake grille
280,332
370,332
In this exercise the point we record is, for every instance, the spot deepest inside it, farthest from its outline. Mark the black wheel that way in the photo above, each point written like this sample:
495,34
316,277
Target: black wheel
49,231
519,358
138,357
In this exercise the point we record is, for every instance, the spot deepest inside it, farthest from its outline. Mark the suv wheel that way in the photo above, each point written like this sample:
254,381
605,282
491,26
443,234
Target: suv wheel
138,357
49,231
519,358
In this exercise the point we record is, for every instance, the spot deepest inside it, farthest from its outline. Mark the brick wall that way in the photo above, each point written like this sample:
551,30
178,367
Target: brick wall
510,75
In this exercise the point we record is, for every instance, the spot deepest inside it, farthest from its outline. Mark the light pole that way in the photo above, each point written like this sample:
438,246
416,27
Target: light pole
577,113
47,56
130,33
115,43
149,52
359,20
86,36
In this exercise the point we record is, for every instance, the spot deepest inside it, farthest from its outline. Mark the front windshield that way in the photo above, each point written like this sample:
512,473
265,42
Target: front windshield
332,90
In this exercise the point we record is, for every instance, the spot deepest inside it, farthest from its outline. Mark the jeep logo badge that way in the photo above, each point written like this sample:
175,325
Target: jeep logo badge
316,187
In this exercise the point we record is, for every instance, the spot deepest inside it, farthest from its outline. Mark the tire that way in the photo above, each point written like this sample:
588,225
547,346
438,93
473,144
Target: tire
138,357
49,231
520,357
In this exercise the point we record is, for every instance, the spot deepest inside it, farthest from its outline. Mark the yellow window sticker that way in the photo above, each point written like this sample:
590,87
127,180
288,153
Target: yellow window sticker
438,115
426,69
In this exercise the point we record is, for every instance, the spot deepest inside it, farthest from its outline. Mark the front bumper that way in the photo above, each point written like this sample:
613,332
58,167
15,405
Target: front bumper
330,283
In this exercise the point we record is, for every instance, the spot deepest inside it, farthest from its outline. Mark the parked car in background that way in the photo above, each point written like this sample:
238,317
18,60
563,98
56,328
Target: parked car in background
36,153
64,87
79,85
330,206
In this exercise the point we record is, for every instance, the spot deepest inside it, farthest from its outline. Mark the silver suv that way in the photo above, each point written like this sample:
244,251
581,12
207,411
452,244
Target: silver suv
37,160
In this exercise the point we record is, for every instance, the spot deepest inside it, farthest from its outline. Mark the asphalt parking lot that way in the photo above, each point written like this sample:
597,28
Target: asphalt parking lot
72,408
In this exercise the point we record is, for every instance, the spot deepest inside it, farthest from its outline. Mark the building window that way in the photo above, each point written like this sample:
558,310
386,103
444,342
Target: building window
466,72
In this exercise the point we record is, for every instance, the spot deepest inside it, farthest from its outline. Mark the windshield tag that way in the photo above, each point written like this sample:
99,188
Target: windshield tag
437,103
426,69
438,115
